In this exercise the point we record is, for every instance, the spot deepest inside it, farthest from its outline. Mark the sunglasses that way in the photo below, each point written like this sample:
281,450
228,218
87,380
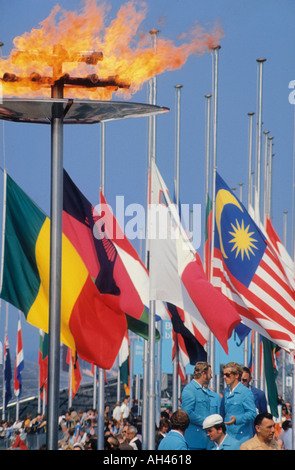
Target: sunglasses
227,374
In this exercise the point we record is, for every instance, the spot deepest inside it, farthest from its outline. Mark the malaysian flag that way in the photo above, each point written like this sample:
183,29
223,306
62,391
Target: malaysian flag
248,272
19,361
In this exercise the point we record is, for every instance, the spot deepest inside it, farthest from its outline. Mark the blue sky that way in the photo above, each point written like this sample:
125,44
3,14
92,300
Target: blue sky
252,30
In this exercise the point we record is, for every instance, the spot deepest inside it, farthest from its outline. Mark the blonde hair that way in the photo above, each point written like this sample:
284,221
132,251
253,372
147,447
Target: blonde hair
200,367
235,368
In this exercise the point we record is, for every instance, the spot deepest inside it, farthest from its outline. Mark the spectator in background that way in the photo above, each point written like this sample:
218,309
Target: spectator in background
132,438
125,410
117,412
162,431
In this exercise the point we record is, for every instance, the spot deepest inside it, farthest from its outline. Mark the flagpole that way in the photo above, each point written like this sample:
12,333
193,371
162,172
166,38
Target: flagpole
258,191
283,351
214,153
56,206
177,160
250,148
207,186
265,185
6,332
152,326
207,158
101,384
270,140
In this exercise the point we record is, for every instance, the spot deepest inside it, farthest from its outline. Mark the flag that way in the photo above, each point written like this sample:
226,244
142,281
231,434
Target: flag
208,237
88,325
19,361
106,252
43,362
248,272
124,363
176,270
183,360
183,326
269,350
283,255
7,372
73,361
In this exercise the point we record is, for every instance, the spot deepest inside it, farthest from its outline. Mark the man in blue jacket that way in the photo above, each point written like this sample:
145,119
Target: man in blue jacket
175,440
259,395
238,406
196,402
216,431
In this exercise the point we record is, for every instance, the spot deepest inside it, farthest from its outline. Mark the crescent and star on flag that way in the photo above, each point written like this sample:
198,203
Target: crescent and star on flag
242,240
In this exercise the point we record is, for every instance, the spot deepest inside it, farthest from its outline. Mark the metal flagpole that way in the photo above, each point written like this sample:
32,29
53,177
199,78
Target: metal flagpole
265,184
283,351
207,158
6,330
207,179
270,156
101,372
257,193
55,267
70,397
250,148
152,326
214,153
175,392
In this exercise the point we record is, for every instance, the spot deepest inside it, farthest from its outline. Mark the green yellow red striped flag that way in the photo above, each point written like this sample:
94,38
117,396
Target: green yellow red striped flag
88,325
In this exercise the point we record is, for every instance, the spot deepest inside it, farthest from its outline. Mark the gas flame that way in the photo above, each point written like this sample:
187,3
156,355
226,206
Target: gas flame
79,44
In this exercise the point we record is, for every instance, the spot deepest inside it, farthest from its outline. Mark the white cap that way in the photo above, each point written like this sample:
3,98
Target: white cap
212,420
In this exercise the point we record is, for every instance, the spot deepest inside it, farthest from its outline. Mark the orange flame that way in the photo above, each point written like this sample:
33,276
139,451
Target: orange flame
70,43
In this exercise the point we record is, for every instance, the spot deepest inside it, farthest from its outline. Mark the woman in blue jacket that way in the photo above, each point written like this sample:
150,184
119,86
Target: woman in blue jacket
238,406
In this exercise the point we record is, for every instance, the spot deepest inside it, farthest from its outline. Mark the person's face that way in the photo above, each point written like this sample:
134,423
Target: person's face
213,433
129,435
266,429
206,376
229,377
245,379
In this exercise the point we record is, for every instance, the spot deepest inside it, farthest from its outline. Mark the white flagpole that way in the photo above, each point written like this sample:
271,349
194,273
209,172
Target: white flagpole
250,190
6,330
101,384
214,154
152,326
175,392
207,180
257,192
283,351
265,185
207,158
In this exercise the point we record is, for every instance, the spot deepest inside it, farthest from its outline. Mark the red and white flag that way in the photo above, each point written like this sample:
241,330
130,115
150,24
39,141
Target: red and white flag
19,361
176,272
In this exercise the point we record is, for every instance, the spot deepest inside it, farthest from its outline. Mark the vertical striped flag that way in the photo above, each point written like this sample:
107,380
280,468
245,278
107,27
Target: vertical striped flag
73,361
19,361
43,363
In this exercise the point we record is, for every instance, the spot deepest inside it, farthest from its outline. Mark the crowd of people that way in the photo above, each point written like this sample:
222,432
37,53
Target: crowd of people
238,419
